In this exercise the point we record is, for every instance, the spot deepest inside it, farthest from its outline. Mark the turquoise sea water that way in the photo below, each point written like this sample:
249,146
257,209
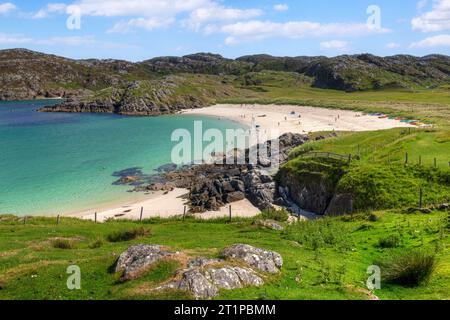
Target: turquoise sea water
53,163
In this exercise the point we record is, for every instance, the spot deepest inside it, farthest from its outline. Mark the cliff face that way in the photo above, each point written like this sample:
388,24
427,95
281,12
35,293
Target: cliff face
312,185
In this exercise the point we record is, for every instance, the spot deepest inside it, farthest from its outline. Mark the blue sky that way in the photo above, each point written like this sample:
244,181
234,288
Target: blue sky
140,29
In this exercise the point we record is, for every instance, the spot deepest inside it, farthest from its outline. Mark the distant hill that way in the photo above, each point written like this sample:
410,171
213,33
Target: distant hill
27,75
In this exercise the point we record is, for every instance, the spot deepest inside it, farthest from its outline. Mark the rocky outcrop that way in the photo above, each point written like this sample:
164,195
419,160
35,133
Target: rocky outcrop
204,282
214,185
269,224
203,278
137,259
310,191
146,97
312,185
266,261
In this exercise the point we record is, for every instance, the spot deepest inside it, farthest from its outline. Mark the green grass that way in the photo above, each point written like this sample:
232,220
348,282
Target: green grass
428,105
334,268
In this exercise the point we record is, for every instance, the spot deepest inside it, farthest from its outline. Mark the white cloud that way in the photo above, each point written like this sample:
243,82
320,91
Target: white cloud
13,39
259,30
7,7
334,44
281,7
67,41
422,4
17,39
148,24
218,13
152,14
442,40
393,45
438,19
50,8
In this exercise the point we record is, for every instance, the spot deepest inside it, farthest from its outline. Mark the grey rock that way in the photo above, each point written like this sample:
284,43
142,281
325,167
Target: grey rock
270,224
235,196
266,261
203,262
195,282
138,258
203,280
231,278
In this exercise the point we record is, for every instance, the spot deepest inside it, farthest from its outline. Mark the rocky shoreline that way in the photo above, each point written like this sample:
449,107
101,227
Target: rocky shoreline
213,186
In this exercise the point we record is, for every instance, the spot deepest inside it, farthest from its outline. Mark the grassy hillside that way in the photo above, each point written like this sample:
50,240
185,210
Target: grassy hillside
269,87
388,168
324,259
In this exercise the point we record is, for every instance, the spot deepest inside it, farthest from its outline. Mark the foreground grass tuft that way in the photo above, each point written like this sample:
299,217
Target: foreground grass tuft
127,235
63,244
408,269
391,241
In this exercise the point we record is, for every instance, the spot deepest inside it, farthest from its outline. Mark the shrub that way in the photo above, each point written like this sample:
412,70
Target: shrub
277,215
408,269
373,217
391,241
62,244
127,235
96,244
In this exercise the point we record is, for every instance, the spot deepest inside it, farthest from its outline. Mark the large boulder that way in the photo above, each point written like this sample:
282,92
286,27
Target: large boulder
266,261
205,277
196,283
137,259
231,278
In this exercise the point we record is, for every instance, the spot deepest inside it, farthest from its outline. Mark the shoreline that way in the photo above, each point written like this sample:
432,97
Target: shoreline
163,205
276,120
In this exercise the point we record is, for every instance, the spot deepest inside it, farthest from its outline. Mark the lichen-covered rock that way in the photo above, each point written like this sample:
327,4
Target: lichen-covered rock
195,282
266,261
138,258
203,262
203,279
270,224
231,278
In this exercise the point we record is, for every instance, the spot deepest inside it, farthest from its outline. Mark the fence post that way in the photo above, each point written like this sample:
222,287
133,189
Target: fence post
142,212
57,219
95,217
230,212
406,158
184,213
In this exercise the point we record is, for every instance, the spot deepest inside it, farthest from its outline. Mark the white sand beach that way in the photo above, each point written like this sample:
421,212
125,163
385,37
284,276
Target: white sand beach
166,205
280,119
276,120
